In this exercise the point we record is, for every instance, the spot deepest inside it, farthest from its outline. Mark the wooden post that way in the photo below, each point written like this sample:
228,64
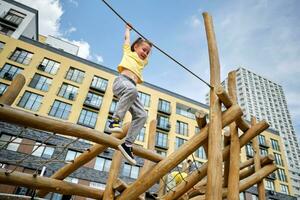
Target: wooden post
163,167
13,90
112,176
201,121
234,168
17,116
227,102
257,165
214,172
254,178
52,185
151,146
197,176
82,159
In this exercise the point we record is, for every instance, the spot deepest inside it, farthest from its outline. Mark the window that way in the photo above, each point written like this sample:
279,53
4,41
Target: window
197,130
49,66
71,155
71,180
99,84
68,91
163,122
278,159
30,101
141,135
179,142
275,145
185,111
60,109
13,144
21,56
96,185
200,153
75,75
93,100
284,189
14,17
6,30
281,175
262,140
2,44
40,82
161,140
113,106
263,152
88,118
102,164
144,98
161,152
164,106
182,128
270,185
3,88
41,150
9,71
130,171
249,150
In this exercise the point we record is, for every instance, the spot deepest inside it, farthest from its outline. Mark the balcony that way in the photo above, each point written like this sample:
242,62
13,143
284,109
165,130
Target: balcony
166,110
41,67
8,76
98,89
163,126
88,103
11,24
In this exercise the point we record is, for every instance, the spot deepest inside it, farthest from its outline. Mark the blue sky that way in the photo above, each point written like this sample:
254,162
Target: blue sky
260,35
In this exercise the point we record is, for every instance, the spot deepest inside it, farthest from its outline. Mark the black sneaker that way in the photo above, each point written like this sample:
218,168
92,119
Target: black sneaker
127,153
114,126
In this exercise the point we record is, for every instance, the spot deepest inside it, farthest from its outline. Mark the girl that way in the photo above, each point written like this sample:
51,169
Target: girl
135,57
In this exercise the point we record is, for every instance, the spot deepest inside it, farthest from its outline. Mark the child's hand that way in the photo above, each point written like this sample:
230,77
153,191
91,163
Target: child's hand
129,26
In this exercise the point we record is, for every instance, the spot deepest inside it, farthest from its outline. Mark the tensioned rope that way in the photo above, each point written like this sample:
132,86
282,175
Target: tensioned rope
159,49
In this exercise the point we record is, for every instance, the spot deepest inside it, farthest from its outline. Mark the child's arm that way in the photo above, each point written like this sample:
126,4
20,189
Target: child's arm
127,34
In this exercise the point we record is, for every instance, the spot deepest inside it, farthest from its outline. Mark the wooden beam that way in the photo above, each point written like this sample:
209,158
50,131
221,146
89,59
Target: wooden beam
254,178
17,116
197,175
224,97
201,121
234,168
52,185
120,186
215,165
12,92
257,165
82,159
162,168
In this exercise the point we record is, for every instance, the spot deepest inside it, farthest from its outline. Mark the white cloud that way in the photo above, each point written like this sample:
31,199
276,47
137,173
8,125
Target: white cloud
99,58
75,3
50,12
256,37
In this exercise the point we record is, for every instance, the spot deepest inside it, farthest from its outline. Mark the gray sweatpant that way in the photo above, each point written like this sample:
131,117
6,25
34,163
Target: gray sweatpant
127,93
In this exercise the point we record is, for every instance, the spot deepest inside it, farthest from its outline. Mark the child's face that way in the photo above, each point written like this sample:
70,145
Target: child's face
142,50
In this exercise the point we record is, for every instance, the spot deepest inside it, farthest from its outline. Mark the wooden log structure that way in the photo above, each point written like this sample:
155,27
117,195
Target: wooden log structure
234,167
82,159
17,116
257,164
12,92
248,182
198,175
265,160
224,97
201,121
215,164
163,167
120,186
49,184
